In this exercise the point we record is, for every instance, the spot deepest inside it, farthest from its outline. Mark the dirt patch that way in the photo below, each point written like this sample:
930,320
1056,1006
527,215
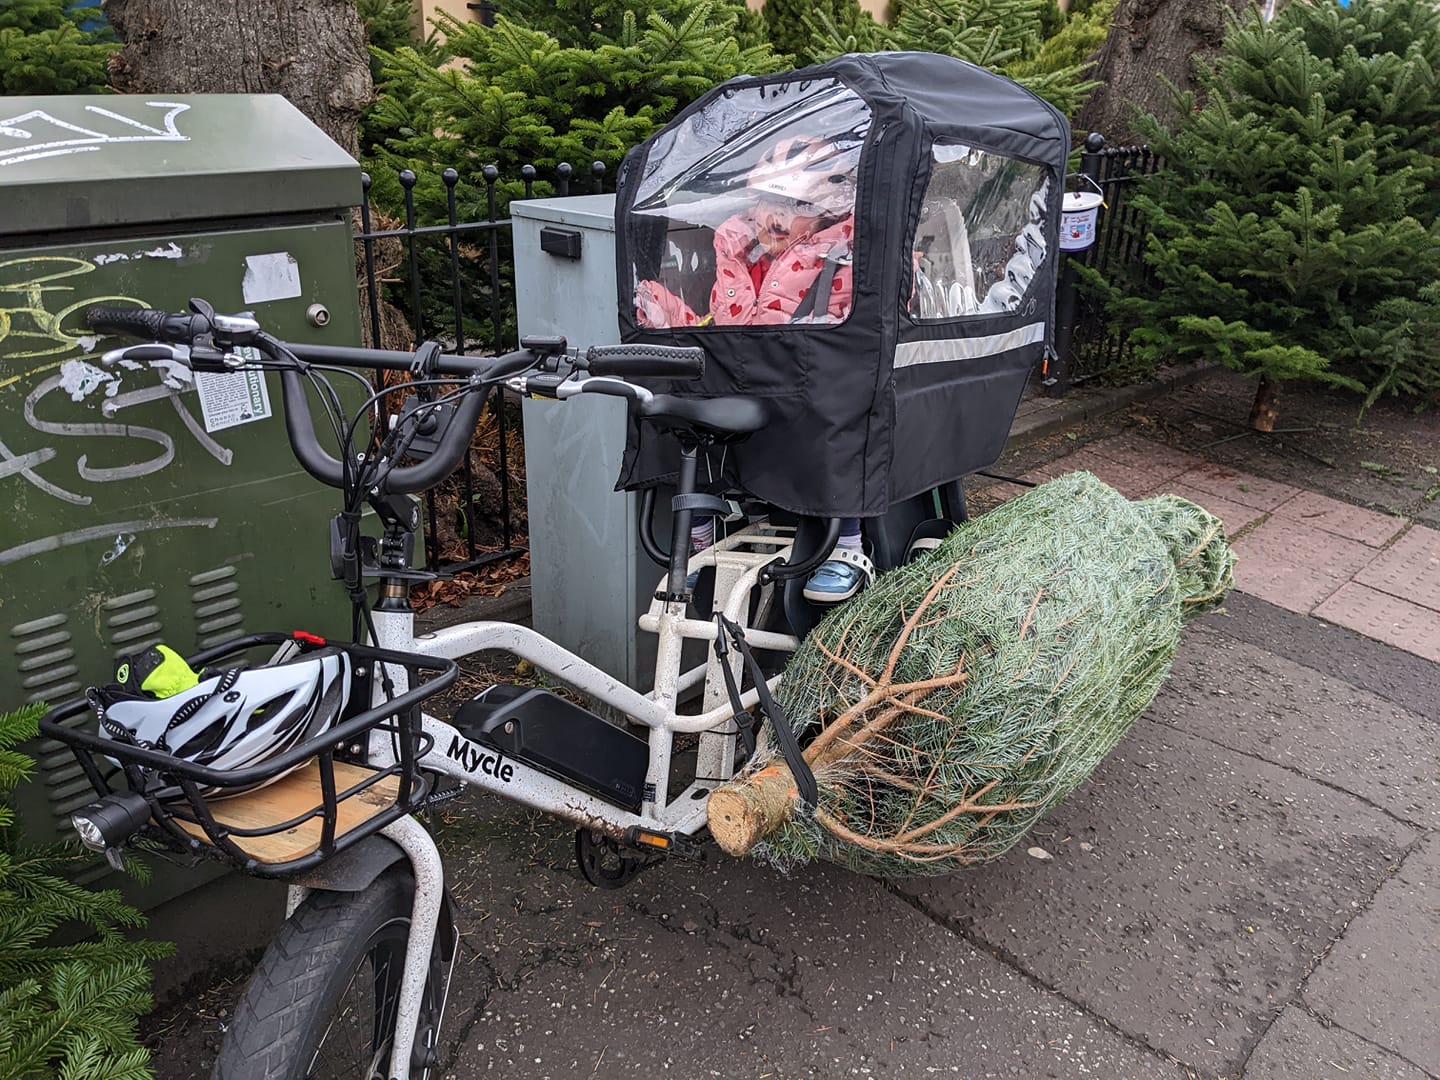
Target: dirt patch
1387,459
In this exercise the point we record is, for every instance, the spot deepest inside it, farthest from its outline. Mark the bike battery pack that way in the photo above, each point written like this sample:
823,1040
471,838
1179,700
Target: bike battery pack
560,738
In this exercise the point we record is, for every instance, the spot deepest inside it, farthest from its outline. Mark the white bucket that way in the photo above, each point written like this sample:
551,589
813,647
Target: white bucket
1078,215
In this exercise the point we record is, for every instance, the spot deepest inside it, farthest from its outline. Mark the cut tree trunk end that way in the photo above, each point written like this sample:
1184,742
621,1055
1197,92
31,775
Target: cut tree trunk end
1266,409
741,816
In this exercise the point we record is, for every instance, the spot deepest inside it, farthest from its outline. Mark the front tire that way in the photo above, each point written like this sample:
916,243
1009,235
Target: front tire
322,1003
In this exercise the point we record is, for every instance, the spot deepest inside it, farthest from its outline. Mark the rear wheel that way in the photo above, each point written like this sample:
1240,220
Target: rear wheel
322,1003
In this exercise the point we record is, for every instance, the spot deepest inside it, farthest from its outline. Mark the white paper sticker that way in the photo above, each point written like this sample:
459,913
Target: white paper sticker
232,398
79,379
270,277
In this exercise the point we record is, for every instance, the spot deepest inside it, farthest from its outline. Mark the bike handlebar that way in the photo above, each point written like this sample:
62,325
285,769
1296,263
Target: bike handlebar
147,323
658,361
221,333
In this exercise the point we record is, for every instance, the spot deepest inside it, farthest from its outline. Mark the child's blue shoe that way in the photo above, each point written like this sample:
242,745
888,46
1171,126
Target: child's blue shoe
839,577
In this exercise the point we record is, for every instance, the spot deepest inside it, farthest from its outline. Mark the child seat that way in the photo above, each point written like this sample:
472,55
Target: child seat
868,247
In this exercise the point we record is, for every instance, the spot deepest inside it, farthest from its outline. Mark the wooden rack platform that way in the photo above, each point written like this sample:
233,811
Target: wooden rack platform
290,797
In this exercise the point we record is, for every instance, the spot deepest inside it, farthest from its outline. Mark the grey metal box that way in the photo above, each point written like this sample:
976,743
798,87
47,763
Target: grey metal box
590,578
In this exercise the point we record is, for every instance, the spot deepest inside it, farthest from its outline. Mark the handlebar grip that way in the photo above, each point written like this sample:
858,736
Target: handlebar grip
147,323
661,361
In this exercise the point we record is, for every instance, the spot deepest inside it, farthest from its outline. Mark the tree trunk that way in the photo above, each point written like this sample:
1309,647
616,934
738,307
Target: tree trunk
1151,41
1266,409
311,51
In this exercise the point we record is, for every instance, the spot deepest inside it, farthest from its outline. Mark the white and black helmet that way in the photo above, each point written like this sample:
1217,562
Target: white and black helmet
237,718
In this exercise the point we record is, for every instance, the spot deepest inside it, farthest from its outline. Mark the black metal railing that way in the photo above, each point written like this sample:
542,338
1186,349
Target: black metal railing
1097,344
476,257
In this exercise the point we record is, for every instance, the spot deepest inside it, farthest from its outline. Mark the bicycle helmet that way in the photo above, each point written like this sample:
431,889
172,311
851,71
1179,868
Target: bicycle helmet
234,719
817,172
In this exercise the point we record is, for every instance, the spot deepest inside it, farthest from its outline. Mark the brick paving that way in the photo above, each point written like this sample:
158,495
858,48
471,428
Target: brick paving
1308,553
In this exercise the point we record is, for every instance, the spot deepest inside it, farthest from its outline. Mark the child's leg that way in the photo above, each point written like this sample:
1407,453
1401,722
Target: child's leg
702,534
845,573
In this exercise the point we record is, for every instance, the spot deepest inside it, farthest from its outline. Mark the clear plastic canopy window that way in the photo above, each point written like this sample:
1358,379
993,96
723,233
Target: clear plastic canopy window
981,237
746,212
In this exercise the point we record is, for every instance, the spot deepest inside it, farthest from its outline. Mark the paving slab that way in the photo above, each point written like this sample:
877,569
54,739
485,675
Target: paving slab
1384,617
1300,1047
735,970
1132,479
1410,568
1211,883
1249,699
1240,487
1294,566
1317,511
1130,448
1382,980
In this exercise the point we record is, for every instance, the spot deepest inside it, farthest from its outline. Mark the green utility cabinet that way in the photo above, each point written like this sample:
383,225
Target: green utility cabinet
136,513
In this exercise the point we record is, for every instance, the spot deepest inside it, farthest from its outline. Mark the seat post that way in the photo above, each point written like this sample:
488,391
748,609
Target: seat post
680,522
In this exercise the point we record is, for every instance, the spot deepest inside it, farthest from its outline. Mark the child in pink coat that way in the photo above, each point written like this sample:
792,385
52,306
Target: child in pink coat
771,260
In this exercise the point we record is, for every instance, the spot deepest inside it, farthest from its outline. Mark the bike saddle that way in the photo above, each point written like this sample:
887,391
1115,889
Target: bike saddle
719,419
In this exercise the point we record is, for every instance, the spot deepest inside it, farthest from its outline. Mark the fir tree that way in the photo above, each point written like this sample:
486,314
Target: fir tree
520,95
67,1011
1292,234
45,50
389,25
592,79
790,24
829,30
1007,36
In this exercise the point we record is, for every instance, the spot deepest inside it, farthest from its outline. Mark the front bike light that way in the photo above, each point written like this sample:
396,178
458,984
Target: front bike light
110,821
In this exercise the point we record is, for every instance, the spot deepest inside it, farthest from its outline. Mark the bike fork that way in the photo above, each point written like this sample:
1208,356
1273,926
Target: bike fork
429,873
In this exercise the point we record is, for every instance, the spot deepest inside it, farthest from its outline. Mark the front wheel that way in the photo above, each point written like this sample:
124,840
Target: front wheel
322,1003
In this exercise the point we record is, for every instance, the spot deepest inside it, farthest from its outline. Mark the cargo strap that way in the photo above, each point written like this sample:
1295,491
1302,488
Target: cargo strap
769,709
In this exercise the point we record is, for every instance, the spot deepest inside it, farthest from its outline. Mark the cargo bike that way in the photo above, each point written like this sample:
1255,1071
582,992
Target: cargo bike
833,285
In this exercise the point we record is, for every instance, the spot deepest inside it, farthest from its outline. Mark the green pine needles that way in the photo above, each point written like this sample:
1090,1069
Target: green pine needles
1028,40
67,1007
521,94
962,695
45,49
1293,231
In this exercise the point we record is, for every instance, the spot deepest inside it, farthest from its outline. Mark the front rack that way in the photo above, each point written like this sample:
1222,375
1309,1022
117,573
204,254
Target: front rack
295,810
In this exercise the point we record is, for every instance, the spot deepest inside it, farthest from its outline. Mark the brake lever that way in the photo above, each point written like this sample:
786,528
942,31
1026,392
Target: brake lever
146,354
173,362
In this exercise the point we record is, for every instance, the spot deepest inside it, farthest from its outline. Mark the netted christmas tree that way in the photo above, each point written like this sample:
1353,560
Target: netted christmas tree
1293,231
952,703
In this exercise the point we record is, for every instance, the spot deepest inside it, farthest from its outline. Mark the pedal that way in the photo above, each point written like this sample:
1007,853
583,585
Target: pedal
435,798
674,845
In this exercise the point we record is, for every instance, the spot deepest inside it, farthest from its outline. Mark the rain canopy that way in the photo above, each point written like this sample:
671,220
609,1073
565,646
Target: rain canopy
869,247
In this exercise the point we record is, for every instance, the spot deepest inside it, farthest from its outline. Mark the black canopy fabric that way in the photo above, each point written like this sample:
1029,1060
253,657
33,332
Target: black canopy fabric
942,302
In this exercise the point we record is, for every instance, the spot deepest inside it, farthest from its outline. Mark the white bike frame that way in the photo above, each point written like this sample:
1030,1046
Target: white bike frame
737,561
